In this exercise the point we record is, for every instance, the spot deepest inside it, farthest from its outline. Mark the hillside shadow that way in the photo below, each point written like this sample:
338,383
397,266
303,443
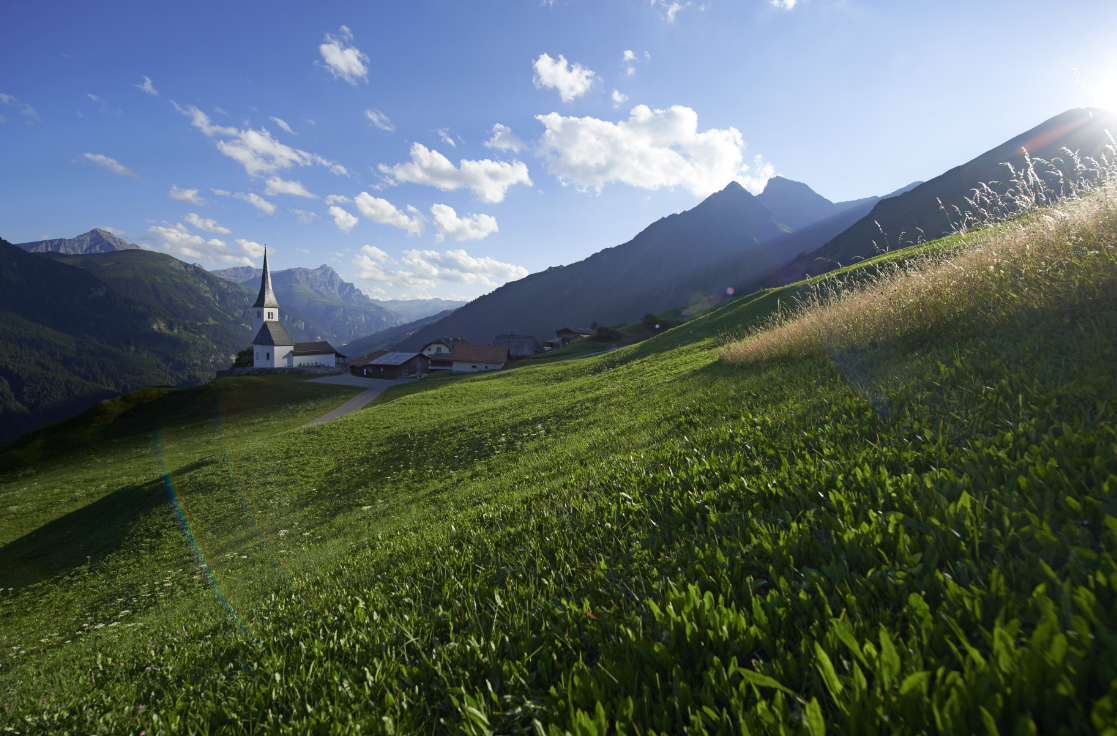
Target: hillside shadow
89,535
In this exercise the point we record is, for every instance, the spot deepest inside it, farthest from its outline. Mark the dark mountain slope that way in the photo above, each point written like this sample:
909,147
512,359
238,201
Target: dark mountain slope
70,339
1082,130
94,241
650,273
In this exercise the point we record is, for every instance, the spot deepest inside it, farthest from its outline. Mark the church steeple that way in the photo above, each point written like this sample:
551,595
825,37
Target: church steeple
267,296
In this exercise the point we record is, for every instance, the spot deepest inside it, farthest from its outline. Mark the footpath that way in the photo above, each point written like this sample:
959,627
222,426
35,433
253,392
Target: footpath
373,388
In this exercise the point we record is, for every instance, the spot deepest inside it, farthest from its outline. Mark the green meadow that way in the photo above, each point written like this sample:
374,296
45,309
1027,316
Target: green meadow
911,535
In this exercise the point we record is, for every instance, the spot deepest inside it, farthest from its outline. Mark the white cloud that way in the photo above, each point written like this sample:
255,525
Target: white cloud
206,225
24,109
629,62
343,60
256,150
180,242
282,124
505,140
488,180
671,9
384,212
338,199
280,186
147,87
304,216
470,227
380,120
112,230
218,192
256,201
103,106
784,4
342,219
106,163
302,250
424,269
652,149
444,134
251,249
570,82
190,196
619,98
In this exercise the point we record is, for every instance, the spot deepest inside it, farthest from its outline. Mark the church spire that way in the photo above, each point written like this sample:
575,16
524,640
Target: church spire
267,296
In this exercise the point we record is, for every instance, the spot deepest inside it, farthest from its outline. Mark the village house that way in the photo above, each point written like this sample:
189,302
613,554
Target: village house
567,335
359,366
273,347
397,365
519,346
478,358
439,352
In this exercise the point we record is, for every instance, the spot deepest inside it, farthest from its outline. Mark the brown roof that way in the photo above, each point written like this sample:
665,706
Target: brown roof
360,362
479,354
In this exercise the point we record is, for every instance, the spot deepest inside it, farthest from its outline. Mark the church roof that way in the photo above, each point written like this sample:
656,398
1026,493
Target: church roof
315,348
272,333
267,296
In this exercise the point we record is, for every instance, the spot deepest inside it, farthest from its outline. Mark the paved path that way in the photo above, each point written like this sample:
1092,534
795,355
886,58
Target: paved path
374,387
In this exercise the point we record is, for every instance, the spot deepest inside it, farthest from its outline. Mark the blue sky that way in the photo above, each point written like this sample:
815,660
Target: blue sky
443,148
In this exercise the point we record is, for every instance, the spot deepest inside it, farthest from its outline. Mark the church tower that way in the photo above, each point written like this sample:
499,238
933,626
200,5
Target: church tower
266,308
272,347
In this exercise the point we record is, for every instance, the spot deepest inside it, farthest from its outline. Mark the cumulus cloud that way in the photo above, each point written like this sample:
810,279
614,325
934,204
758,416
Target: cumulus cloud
488,180
338,199
24,109
256,150
190,196
385,213
503,139
783,4
184,244
570,81
256,201
280,186
106,163
147,86
470,227
344,221
619,98
251,249
424,269
206,225
652,149
220,192
344,60
629,62
282,124
305,217
380,120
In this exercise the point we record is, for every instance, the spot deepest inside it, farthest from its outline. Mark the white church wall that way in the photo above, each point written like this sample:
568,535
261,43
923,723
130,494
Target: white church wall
270,356
319,359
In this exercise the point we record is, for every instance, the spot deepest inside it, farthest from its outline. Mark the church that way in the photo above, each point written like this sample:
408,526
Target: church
273,347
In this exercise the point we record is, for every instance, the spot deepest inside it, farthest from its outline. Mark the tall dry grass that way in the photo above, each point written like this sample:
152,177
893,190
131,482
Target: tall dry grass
1049,245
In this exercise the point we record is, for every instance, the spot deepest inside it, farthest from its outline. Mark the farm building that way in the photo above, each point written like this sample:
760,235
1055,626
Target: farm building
397,365
519,346
567,335
359,366
479,358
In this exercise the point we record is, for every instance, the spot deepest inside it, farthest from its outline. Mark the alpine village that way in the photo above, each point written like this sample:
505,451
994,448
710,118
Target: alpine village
597,416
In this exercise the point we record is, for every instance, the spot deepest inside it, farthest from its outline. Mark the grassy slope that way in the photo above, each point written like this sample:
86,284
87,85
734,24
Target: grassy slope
643,537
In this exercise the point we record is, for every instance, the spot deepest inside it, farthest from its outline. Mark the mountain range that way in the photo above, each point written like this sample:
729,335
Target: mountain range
735,240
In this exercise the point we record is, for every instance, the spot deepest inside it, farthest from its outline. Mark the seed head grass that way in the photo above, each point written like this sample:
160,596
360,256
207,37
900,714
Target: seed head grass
1032,248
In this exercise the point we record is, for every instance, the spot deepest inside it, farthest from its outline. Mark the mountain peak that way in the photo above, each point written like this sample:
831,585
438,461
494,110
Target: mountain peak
96,240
